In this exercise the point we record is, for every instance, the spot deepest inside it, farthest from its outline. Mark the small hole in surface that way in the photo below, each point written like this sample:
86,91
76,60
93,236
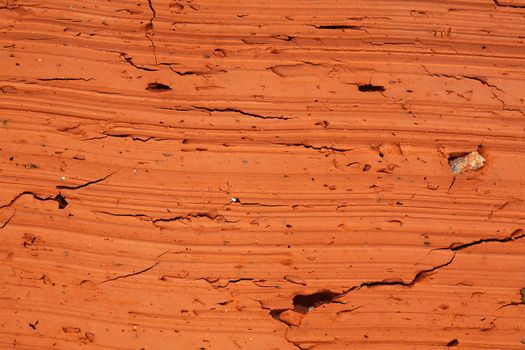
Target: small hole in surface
304,303
452,343
371,88
158,87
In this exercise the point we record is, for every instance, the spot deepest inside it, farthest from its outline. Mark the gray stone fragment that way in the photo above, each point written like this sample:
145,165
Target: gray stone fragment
470,161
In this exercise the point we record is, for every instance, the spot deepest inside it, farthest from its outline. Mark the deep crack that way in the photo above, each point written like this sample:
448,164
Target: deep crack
7,221
152,9
517,234
150,29
337,27
481,80
123,215
130,274
318,148
61,200
304,303
508,5
255,204
211,215
129,60
64,187
235,110
65,79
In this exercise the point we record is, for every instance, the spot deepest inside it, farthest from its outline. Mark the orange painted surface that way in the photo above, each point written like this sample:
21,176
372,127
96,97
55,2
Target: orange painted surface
261,174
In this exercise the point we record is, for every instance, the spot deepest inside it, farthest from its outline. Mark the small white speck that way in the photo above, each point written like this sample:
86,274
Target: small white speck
63,178
39,60
235,200
134,171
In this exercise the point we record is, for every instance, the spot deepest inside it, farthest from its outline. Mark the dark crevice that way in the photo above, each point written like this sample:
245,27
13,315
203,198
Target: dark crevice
158,87
212,215
284,37
481,80
61,200
512,303
452,343
451,184
180,109
255,204
62,203
130,274
66,129
150,29
318,148
338,27
102,92
63,187
148,36
7,221
129,60
184,73
152,9
517,234
417,278
303,303
237,280
456,155
122,215
498,3
192,72
370,88
64,79
96,138
276,313
175,218
384,43
350,310
504,106
133,137
259,283
234,110
214,281
180,73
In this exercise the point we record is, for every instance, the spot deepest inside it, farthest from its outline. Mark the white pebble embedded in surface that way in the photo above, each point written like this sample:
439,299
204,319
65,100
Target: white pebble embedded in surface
470,161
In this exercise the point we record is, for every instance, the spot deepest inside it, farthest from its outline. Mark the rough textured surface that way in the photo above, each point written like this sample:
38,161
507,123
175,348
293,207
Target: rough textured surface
127,127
